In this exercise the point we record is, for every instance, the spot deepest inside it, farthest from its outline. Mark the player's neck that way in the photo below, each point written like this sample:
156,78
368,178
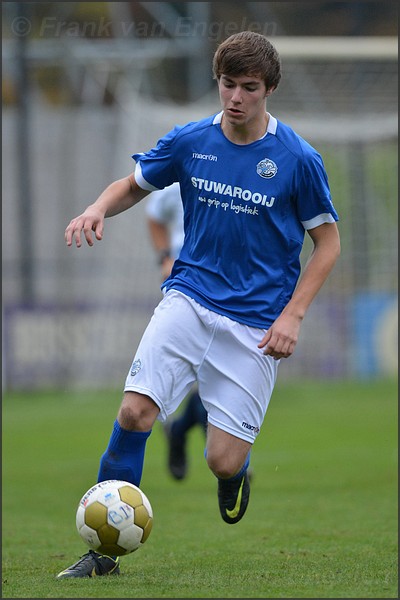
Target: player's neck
245,133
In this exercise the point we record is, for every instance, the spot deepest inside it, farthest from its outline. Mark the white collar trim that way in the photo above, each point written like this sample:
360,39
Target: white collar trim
272,123
218,118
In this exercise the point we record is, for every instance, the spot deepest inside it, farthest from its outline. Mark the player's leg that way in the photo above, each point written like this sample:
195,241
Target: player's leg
160,377
123,459
177,429
152,391
200,413
226,454
235,383
228,457
192,414
124,456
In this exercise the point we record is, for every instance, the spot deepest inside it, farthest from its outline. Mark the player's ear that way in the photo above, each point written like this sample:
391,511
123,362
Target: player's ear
269,91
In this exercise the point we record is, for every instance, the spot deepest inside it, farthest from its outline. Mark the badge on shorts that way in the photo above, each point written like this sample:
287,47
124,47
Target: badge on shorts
136,366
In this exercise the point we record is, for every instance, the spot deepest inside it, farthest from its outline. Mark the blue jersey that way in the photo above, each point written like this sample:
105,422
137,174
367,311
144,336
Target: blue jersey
246,209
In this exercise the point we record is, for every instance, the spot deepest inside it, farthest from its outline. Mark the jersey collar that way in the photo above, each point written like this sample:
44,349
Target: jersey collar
272,123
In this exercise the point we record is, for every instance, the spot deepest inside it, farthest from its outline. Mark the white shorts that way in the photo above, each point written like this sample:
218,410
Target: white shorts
185,342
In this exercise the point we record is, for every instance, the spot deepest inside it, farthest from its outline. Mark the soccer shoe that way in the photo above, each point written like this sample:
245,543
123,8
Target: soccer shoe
233,498
177,462
92,564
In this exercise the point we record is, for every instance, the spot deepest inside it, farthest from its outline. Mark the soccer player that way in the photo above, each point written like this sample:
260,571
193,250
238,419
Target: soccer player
165,221
234,302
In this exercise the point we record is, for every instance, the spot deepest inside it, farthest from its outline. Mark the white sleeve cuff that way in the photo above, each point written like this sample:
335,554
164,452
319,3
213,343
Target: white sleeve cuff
141,181
318,220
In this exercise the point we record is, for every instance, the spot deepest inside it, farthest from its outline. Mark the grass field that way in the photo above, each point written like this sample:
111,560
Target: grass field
321,523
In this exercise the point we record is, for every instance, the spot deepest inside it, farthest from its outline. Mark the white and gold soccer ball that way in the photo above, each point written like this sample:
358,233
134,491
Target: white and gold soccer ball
114,517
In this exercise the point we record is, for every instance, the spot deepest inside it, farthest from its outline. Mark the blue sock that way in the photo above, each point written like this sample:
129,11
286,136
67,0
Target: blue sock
124,456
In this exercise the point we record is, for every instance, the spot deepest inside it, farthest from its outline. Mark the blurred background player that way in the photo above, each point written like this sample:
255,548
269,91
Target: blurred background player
165,221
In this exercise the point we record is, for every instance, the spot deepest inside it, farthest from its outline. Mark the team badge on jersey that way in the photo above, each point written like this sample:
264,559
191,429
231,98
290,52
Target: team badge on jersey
136,366
266,168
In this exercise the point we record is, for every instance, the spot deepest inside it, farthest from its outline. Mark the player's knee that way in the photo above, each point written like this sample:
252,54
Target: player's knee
223,466
137,412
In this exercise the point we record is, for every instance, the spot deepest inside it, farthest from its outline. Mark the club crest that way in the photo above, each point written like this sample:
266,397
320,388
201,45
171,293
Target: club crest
266,168
136,366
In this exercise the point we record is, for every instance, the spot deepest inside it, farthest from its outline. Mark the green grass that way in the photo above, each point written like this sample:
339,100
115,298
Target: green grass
321,523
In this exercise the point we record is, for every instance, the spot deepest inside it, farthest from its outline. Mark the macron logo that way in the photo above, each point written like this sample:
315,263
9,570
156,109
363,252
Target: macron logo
251,427
205,156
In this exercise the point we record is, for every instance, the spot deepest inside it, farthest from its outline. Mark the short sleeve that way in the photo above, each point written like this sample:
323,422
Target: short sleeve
155,169
314,202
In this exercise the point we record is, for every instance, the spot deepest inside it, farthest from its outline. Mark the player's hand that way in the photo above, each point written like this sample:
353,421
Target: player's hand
281,338
92,220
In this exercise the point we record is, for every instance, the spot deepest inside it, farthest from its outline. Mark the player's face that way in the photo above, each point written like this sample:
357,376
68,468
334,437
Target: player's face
242,99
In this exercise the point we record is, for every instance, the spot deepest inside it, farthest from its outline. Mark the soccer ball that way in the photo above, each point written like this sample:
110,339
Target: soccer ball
114,517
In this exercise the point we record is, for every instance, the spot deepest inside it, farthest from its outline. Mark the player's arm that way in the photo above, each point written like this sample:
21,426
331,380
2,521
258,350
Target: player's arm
281,338
116,198
159,235
160,238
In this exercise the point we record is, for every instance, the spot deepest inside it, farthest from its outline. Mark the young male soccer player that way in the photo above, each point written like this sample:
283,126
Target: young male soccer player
234,302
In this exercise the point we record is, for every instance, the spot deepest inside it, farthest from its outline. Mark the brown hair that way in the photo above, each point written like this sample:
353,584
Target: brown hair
248,53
